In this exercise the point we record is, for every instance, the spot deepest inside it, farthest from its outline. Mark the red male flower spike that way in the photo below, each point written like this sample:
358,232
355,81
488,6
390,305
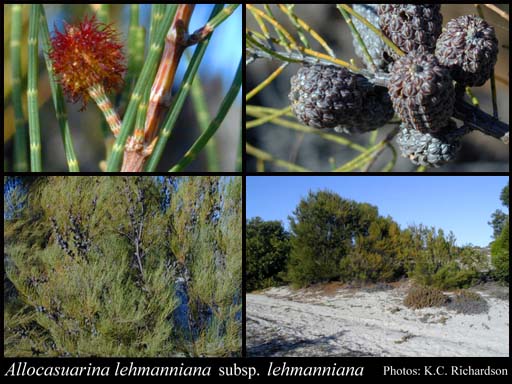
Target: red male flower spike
88,61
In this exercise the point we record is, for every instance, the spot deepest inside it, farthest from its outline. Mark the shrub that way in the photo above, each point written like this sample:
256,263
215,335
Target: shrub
468,303
375,256
422,297
452,275
323,227
267,249
500,256
441,264
107,269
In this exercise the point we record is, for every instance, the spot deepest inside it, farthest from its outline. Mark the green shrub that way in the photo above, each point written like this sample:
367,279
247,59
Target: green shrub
422,297
452,275
439,263
267,249
108,269
323,228
375,255
500,255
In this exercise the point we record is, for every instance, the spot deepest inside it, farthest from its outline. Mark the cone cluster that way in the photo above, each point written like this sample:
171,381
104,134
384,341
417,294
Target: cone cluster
423,85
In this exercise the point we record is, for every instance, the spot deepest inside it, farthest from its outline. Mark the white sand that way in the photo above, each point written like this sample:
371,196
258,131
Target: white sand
307,322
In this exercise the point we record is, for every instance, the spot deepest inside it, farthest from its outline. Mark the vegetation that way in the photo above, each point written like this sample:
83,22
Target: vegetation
376,255
332,238
90,57
500,257
423,297
500,247
468,303
323,228
124,266
267,249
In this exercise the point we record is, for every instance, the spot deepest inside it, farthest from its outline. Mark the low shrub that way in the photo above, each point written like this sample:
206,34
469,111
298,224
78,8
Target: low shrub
468,303
423,297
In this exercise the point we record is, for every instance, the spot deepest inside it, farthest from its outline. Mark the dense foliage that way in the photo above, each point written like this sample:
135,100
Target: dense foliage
333,238
324,226
500,218
125,266
500,247
267,249
500,255
375,255
438,262
423,297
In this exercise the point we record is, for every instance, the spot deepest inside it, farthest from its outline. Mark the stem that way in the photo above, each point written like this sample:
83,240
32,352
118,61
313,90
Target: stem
477,119
265,82
134,52
374,29
134,155
180,99
97,93
239,155
58,98
174,47
253,111
157,15
144,78
103,15
33,115
214,125
265,156
203,118
357,35
20,137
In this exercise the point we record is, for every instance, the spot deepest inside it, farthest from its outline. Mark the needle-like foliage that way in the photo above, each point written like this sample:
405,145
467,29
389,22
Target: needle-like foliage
112,266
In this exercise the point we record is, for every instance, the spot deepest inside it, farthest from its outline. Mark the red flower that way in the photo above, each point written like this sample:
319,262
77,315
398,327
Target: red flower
87,55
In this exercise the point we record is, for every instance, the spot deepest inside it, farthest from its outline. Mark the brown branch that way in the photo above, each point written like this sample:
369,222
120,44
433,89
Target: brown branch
477,119
140,146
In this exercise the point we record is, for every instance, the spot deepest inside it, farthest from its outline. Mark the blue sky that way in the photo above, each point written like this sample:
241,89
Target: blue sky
462,204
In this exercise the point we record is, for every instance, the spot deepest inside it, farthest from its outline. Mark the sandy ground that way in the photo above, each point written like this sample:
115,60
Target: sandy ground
349,322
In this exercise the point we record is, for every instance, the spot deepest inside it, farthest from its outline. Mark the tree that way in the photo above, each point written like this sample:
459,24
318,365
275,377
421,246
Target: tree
267,249
500,255
375,255
500,218
205,243
324,228
500,246
94,275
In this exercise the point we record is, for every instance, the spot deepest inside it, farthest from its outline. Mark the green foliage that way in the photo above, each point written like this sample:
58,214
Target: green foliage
323,227
504,196
423,297
500,218
209,261
267,249
452,276
500,255
95,275
498,221
376,255
438,262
